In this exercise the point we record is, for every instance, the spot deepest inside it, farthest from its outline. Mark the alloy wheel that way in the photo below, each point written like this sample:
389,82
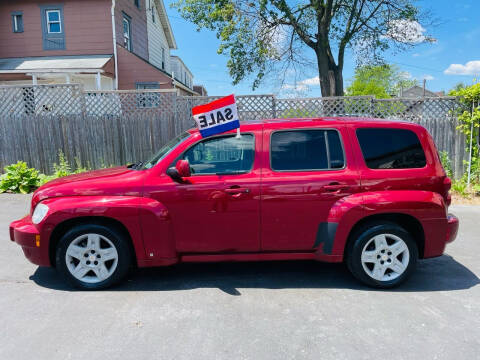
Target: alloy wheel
385,257
91,258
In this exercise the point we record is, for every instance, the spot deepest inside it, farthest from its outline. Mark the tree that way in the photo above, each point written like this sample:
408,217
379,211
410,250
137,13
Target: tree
382,81
271,36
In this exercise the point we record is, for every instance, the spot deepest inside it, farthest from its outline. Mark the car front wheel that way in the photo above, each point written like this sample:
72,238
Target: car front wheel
93,257
382,255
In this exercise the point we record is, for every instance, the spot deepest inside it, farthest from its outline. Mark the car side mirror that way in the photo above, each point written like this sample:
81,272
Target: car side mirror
173,173
180,171
183,168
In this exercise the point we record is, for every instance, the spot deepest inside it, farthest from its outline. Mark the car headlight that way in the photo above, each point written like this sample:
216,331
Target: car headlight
39,213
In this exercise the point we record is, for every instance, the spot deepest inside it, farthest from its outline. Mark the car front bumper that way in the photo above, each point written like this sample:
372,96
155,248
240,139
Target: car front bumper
26,234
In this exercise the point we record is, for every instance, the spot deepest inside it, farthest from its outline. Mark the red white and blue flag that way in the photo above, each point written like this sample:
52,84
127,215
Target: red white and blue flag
217,116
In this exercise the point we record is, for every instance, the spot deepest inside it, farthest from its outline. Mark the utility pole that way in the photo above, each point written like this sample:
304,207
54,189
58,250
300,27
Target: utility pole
424,86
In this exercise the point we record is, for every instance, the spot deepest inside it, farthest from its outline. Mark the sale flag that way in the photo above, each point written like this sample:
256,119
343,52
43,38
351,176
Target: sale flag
217,116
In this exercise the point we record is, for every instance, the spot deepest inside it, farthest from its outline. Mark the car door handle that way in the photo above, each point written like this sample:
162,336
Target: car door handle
237,190
335,187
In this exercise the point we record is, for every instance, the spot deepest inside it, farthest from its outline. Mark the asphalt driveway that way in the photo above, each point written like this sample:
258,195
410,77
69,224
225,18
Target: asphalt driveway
280,310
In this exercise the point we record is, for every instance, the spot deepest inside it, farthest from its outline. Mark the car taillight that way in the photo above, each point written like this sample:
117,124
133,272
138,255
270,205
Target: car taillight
447,183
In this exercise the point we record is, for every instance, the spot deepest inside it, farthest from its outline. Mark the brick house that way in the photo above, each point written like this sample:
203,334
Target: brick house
103,44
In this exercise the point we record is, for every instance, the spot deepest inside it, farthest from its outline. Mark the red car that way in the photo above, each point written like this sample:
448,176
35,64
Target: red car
370,193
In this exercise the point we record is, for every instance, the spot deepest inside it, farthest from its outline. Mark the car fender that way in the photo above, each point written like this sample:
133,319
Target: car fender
146,220
427,207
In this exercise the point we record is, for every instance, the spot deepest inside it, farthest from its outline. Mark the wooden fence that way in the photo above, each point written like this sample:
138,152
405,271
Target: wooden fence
110,128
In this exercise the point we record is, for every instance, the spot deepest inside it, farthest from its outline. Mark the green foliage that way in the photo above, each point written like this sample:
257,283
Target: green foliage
63,167
381,81
271,36
79,168
476,189
19,178
460,187
469,120
43,179
447,164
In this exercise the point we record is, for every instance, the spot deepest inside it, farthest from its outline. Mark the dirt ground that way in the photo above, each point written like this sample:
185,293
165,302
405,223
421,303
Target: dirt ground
460,200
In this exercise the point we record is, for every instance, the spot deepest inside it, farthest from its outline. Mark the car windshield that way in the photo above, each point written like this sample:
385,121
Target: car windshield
165,150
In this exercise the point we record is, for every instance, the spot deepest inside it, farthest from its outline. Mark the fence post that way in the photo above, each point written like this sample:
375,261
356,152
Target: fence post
471,148
83,100
274,107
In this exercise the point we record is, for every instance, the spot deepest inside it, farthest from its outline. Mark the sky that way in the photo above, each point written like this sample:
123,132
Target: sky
454,57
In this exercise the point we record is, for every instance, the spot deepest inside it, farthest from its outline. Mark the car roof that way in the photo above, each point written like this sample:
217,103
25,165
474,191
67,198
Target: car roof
292,123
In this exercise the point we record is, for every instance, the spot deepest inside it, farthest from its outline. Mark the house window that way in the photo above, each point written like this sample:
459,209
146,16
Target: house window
54,23
163,58
53,27
127,39
17,22
148,99
137,3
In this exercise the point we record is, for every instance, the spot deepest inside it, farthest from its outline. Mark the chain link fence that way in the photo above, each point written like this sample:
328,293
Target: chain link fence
103,128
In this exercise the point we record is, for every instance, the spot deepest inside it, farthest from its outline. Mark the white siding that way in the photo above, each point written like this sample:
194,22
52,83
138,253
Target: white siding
156,38
181,73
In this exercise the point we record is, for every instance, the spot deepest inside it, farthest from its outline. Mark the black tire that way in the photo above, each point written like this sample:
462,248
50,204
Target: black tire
363,236
114,236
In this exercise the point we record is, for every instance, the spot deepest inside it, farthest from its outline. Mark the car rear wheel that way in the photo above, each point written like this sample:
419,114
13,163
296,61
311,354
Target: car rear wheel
382,255
93,257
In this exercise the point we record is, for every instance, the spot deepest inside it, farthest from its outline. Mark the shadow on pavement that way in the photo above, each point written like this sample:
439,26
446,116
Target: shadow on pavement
439,274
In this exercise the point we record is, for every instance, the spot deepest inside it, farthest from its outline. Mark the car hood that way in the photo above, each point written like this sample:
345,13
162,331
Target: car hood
114,182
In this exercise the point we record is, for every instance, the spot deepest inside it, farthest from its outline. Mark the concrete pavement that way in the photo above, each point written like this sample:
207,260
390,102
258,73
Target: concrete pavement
270,310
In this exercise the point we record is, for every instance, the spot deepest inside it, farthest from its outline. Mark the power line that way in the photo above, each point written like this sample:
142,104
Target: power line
418,67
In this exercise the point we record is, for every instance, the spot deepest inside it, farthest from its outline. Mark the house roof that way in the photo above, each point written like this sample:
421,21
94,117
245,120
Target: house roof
167,28
55,64
417,91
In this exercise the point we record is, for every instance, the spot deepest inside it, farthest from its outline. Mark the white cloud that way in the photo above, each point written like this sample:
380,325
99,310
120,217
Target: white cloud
303,85
470,68
407,31
416,55
428,77
405,75
311,81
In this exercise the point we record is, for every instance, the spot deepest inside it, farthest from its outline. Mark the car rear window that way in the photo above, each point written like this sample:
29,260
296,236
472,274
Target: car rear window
300,150
391,148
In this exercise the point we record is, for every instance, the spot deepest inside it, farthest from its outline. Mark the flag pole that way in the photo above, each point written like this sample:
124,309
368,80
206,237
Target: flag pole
238,133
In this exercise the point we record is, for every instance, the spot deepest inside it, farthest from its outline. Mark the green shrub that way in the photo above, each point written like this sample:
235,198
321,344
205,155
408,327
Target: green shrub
447,165
43,179
63,167
460,187
19,178
476,189
79,168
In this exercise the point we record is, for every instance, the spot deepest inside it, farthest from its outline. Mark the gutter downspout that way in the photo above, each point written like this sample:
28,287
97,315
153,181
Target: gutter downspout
114,32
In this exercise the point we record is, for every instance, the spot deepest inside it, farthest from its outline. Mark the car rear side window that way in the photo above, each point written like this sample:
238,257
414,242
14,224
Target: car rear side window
391,148
222,155
300,150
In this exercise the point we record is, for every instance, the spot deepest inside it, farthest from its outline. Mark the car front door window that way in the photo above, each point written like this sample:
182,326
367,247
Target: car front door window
225,155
